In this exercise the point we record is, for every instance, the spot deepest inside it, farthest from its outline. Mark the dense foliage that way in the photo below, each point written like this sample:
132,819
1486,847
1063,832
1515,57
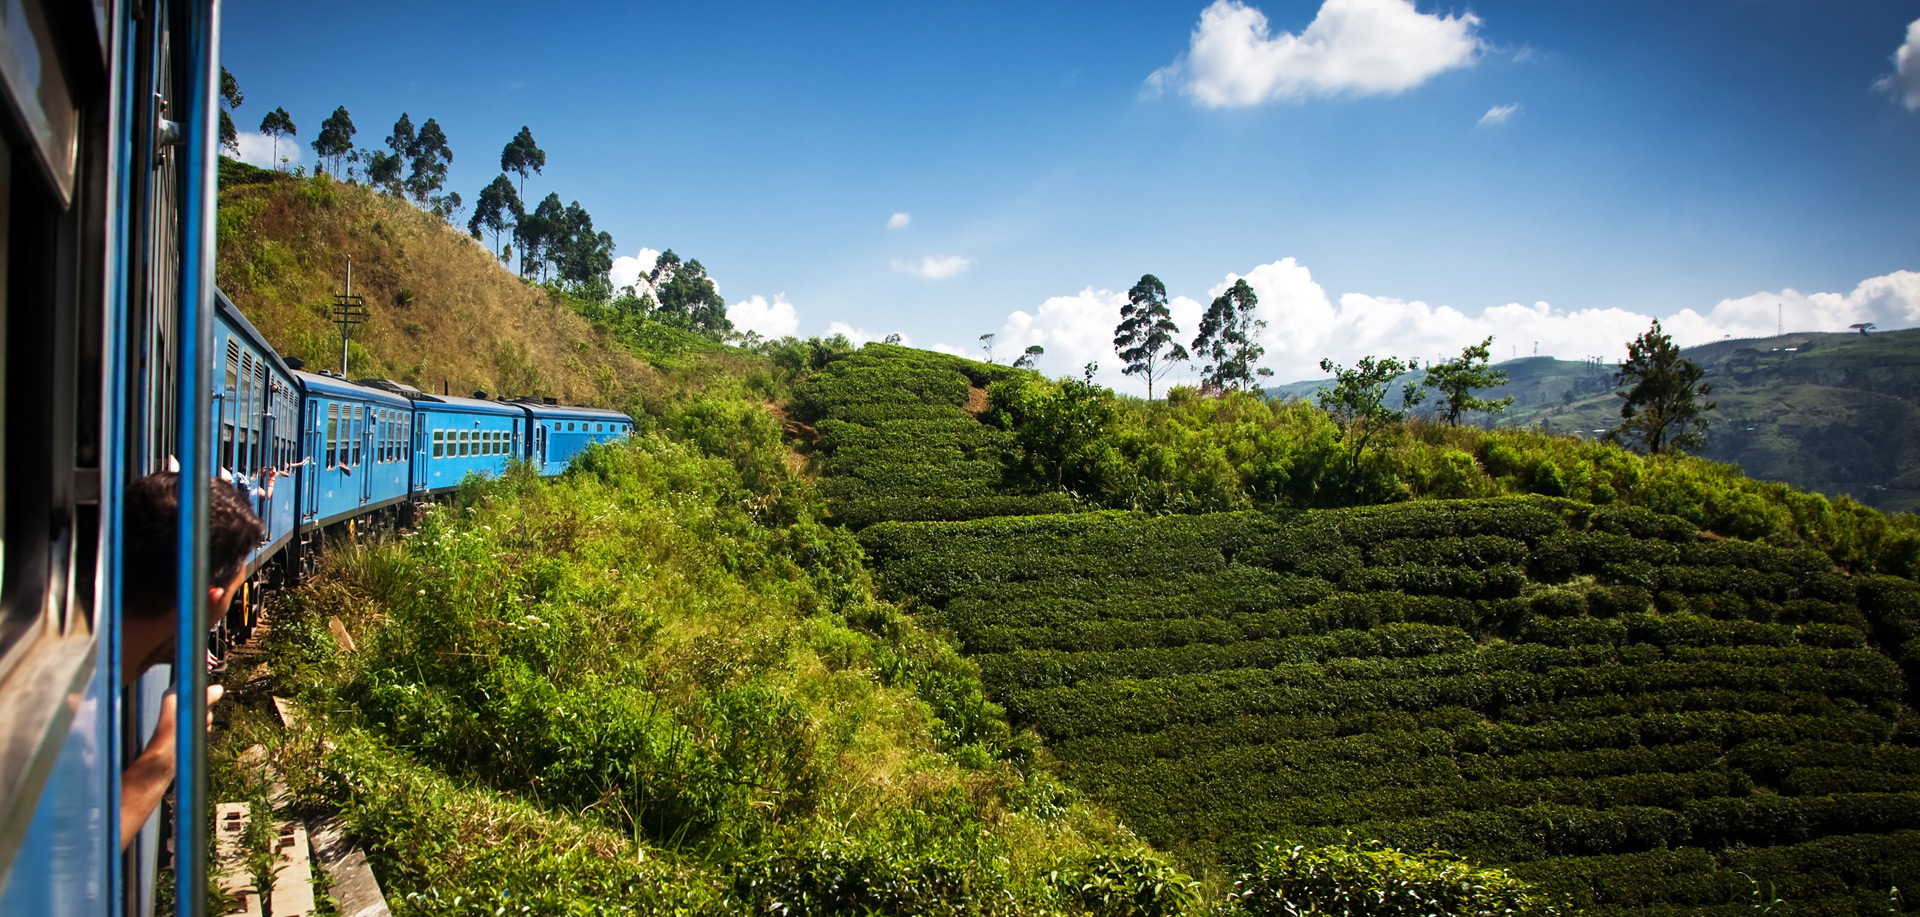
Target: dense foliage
656,686
1633,713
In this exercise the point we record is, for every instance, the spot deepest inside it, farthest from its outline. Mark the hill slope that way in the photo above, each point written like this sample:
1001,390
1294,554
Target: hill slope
1635,710
443,312
1830,413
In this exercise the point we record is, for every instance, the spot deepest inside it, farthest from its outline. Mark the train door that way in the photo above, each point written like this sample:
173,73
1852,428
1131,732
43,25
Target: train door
318,461
419,455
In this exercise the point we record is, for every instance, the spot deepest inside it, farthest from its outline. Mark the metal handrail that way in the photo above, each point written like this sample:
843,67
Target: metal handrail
199,27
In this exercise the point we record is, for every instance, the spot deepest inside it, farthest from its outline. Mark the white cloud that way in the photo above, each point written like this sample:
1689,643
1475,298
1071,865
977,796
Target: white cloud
775,319
632,271
1904,81
1352,47
899,220
1305,324
1498,114
934,267
258,150
950,350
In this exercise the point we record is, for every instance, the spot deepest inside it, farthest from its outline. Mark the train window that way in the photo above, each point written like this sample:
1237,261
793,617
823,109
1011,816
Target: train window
333,435
439,443
466,442
358,426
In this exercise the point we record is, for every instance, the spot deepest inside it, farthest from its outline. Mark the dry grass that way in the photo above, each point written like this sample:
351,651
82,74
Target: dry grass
444,312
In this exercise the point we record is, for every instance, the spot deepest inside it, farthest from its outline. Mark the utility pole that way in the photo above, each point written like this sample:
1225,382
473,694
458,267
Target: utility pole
348,310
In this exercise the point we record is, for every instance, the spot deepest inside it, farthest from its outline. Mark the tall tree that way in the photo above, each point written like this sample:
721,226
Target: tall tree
230,98
336,138
276,124
986,345
1661,411
535,234
688,297
522,156
582,256
496,210
1144,337
384,169
1457,380
1358,400
1226,339
1031,355
429,156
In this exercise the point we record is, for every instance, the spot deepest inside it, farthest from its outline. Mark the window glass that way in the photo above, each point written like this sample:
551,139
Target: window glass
333,435
466,442
439,443
358,426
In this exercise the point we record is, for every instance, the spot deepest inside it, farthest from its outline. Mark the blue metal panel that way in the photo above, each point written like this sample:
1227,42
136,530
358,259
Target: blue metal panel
466,436
63,866
561,433
355,463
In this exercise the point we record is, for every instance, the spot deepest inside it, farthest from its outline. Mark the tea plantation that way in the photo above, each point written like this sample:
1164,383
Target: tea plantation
1644,718
896,440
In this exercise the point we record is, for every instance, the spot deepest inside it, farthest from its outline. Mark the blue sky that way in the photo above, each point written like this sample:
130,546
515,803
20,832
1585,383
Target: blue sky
1711,163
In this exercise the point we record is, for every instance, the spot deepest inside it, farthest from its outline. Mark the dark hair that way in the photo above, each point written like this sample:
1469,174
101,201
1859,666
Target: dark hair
151,527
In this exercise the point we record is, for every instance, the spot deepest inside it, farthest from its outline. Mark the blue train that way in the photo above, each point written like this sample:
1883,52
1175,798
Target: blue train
119,358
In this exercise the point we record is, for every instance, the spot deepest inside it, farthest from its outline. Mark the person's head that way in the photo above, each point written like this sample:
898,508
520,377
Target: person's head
151,528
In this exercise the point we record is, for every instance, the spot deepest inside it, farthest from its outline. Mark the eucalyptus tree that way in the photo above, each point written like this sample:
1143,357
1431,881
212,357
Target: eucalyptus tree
278,124
230,98
336,138
1227,339
522,156
1144,339
496,210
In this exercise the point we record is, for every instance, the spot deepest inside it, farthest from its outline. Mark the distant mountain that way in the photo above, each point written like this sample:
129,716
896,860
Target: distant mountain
1832,413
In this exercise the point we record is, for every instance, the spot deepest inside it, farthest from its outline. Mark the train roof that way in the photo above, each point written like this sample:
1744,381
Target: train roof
576,413
470,405
232,313
341,388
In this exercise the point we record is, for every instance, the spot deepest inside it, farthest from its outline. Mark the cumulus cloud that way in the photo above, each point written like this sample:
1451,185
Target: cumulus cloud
1904,81
899,220
258,150
632,271
1352,47
770,319
1498,114
1305,324
934,267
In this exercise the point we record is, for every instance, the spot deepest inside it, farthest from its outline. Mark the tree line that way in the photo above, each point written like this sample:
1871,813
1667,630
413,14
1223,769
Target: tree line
1066,424
555,243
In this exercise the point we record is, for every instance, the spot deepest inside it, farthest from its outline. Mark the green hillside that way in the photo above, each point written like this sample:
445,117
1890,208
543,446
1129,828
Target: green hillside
1830,413
1676,691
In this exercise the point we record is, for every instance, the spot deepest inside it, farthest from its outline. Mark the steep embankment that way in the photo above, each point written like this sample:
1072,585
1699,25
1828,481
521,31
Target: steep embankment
442,311
1830,413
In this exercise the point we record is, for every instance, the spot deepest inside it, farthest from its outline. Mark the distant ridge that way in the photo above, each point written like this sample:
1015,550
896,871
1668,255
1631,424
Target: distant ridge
1834,413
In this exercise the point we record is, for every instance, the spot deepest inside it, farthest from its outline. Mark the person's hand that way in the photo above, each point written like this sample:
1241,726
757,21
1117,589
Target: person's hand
163,730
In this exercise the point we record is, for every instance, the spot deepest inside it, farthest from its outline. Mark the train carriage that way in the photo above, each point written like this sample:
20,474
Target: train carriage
561,432
355,440
256,425
462,436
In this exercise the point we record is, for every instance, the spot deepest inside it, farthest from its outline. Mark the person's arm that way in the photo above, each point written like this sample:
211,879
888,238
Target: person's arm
145,783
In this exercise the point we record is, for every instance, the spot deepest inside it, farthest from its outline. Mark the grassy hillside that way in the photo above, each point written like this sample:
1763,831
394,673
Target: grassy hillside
1837,414
443,311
